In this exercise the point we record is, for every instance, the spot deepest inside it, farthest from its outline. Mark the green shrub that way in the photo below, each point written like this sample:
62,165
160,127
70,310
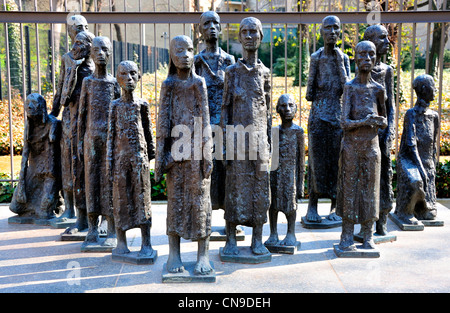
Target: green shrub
443,179
159,189
6,189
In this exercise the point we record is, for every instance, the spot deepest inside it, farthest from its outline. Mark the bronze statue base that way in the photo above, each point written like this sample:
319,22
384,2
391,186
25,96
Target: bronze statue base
133,257
403,226
245,256
358,252
188,276
277,248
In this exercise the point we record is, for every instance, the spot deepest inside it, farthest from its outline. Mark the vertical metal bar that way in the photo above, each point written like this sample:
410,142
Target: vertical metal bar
413,57
386,8
441,78
343,29
125,31
357,25
52,42
111,33
427,56
314,28
397,99
141,50
228,29
38,57
285,57
24,93
67,31
155,66
271,67
184,24
168,7
28,58
300,60
8,79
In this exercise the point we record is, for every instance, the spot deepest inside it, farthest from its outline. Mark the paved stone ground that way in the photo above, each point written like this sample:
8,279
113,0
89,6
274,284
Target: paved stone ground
34,259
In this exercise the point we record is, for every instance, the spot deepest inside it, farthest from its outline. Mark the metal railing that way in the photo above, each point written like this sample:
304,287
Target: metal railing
148,26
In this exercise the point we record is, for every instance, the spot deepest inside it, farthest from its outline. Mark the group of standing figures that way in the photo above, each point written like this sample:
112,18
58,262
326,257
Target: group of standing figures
98,155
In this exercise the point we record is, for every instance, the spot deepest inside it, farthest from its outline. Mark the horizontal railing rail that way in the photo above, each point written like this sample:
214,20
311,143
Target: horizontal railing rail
225,17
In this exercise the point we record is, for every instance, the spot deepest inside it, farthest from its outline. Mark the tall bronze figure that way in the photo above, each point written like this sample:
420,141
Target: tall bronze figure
211,63
286,181
329,71
363,114
97,92
129,151
75,66
36,197
384,75
187,160
417,158
246,113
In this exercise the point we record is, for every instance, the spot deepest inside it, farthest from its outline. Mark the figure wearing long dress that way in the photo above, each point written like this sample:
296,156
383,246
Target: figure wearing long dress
246,109
184,113
211,63
97,92
75,65
286,182
37,192
70,96
363,114
129,151
384,75
329,71
417,157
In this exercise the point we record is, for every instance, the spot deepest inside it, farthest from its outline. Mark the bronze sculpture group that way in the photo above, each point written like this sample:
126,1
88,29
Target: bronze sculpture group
98,155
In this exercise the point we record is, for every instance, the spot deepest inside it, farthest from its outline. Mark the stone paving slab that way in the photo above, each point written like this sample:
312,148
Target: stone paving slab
34,259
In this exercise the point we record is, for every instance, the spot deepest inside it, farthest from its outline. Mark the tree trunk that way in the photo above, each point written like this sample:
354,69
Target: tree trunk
435,49
116,26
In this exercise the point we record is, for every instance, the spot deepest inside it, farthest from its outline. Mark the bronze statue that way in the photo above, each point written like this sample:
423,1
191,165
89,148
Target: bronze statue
286,181
363,114
36,196
184,113
69,90
329,71
384,75
211,64
97,92
129,151
246,104
417,157
75,65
